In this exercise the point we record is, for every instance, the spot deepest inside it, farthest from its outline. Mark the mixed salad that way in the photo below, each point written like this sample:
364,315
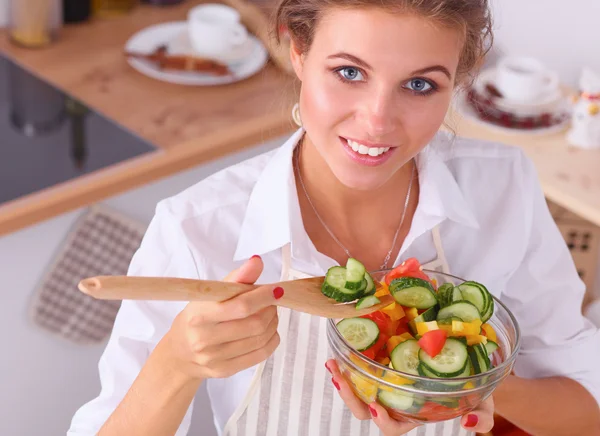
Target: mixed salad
434,330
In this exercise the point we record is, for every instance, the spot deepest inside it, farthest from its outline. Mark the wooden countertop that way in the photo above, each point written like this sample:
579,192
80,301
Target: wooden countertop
188,125
570,176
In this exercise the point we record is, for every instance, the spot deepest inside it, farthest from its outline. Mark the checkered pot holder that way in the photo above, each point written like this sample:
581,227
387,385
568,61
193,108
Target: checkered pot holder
101,243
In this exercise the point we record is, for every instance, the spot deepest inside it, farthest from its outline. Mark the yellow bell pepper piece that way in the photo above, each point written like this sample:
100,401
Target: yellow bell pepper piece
460,328
366,366
490,332
396,380
395,340
424,327
384,360
476,339
366,389
469,385
394,311
383,290
412,313
446,327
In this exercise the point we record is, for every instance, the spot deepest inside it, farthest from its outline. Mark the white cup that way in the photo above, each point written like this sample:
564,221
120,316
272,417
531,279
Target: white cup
524,79
215,31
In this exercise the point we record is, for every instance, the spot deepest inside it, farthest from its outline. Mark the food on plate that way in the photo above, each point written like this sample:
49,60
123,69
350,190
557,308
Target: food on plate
165,61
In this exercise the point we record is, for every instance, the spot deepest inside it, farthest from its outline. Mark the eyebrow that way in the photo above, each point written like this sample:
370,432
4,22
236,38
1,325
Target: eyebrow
363,64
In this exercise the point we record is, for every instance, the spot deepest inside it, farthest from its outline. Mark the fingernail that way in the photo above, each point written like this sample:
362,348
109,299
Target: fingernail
255,256
327,367
373,411
278,292
337,386
472,420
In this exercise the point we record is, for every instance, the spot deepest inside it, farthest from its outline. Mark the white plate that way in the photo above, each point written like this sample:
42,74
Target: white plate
462,106
148,39
548,103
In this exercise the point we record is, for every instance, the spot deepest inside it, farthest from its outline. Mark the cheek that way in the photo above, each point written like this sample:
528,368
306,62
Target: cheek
422,116
323,102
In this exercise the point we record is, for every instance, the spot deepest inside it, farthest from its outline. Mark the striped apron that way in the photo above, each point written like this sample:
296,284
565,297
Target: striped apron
291,393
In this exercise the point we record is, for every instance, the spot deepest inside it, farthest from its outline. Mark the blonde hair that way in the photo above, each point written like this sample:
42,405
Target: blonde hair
471,17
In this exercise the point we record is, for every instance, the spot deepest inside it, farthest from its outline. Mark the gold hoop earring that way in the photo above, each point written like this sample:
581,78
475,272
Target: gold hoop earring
296,115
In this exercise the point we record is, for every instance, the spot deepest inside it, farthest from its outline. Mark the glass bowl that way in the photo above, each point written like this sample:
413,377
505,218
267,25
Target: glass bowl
423,399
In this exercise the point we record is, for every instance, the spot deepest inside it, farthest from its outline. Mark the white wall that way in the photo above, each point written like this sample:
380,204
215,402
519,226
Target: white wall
44,379
563,34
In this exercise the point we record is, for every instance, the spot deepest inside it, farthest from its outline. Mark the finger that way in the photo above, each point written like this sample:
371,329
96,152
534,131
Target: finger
355,404
480,420
230,367
387,424
229,350
228,331
248,273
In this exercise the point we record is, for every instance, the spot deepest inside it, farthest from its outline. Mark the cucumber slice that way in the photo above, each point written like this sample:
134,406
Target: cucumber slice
405,357
368,301
490,311
396,400
450,362
479,358
334,286
429,315
445,294
413,292
370,289
491,347
361,333
448,321
476,294
462,309
355,275
447,384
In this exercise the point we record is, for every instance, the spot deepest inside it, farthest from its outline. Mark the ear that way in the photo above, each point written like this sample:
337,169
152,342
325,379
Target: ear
297,59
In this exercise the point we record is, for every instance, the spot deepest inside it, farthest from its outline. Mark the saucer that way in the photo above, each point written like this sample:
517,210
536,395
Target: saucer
245,63
549,103
467,105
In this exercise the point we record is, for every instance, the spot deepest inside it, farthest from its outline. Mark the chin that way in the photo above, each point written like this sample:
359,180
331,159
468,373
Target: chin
361,180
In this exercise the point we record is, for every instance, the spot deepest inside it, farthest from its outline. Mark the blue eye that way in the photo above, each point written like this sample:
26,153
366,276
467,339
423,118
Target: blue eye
420,86
350,74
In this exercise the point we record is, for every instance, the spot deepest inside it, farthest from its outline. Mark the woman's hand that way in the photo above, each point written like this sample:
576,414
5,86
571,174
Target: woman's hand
216,340
480,420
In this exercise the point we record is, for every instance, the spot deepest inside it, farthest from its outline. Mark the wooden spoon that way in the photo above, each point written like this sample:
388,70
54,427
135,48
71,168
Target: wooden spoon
303,295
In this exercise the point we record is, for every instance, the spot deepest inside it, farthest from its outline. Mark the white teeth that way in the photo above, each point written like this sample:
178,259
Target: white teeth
363,149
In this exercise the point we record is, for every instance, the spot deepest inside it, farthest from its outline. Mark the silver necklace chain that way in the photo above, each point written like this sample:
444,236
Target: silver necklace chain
406,201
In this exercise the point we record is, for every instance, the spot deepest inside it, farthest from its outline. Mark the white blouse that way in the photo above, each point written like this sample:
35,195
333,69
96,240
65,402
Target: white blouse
495,227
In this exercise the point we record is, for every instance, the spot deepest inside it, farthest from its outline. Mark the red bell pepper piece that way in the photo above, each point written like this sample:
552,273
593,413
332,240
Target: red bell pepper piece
409,268
433,341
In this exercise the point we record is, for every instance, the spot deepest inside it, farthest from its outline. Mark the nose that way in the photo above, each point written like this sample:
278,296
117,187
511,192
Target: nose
380,114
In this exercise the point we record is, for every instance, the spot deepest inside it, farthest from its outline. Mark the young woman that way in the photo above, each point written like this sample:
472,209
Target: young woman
368,175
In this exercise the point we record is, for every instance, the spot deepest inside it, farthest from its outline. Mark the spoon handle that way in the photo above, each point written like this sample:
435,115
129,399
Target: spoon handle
160,288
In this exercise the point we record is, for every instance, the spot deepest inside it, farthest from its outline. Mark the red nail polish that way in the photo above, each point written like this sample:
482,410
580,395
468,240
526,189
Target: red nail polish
373,411
472,421
337,386
255,256
278,292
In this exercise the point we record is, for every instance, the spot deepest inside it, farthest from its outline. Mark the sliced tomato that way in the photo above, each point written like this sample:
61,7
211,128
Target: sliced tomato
436,412
409,268
375,350
369,352
383,321
433,341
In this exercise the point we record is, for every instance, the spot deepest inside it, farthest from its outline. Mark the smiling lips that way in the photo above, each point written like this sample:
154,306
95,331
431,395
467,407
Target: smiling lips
366,154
